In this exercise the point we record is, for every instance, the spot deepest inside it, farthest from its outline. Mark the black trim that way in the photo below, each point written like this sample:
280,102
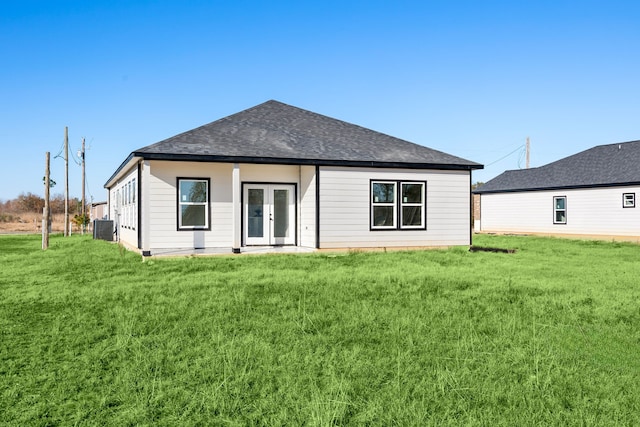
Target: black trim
565,210
290,161
139,204
566,187
398,193
293,161
471,208
146,253
208,228
295,206
122,165
634,201
317,207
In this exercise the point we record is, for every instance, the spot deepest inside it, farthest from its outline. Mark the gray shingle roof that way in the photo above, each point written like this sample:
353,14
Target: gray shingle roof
274,132
601,166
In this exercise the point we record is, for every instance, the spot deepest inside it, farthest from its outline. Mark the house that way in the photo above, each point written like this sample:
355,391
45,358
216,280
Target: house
98,211
275,174
590,194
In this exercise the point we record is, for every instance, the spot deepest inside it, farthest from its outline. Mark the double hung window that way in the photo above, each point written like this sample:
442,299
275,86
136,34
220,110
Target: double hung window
384,207
398,205
193,204
560,210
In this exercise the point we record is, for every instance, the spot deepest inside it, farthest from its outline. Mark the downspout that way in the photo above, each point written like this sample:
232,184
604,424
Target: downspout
471,219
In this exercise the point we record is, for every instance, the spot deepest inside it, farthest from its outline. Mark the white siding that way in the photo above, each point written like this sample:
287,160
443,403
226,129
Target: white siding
163,228
344,204
123,207
269,173
595,211
345,208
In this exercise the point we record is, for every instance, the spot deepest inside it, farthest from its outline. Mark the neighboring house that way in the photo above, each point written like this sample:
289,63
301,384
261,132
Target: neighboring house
279,175
592,193
98,211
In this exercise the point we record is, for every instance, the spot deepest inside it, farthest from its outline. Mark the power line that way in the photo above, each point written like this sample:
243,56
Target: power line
522,147
88,189
60,151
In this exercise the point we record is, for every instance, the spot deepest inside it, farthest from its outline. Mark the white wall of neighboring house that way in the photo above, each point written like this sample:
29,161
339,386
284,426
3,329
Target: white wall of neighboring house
594,211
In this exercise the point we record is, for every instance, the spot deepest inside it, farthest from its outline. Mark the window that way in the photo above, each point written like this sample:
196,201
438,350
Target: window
391,200
412,205
629,200
383,209
193,204
560,210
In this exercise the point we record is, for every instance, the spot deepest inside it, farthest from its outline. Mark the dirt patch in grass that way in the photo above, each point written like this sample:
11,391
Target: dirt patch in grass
495,250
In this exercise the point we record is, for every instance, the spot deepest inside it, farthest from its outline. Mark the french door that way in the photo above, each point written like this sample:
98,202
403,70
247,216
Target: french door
269,214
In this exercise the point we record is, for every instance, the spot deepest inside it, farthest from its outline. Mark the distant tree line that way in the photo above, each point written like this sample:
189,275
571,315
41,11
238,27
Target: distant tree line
32,203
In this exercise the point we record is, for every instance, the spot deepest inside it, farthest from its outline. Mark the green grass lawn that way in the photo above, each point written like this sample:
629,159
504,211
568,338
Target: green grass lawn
549,335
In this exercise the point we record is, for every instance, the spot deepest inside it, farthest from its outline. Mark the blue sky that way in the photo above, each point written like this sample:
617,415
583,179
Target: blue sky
471,78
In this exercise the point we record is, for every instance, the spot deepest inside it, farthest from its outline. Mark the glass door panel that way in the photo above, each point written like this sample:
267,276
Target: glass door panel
280,213
255,213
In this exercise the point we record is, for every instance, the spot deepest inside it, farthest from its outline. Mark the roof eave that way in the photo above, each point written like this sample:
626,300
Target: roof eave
556,188
298,161
126,165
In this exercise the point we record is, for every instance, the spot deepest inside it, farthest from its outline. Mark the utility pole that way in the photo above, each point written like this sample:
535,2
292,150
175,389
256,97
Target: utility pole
45,210
84,204
66,181
528,153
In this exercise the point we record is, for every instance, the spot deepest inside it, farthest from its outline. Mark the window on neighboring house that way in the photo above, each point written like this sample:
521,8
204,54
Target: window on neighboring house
193,203
629,200
391,200
560,210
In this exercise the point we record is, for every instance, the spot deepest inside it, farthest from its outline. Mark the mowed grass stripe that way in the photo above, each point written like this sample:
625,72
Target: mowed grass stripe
547,335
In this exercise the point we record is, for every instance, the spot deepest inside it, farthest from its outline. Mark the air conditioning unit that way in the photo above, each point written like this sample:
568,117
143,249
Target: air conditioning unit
103,229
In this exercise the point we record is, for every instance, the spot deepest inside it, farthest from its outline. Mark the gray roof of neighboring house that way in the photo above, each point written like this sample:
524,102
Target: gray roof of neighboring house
277,133
601,166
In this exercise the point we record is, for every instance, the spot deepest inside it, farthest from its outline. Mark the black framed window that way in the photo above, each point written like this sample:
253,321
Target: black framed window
398,205
383,205
193,204
560,210
629,200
